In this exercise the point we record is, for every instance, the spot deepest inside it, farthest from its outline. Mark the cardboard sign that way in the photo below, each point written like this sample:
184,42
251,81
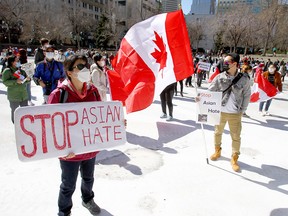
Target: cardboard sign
209,107
204,66
56,130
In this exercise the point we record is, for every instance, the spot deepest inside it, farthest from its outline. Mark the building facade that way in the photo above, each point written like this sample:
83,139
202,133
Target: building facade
170,5
203,7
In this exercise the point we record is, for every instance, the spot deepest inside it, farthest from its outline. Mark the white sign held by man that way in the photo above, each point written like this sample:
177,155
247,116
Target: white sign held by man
56,130
204,66
209,107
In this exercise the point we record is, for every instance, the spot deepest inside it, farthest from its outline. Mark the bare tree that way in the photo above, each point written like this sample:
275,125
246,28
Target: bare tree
196,32
270,17
236,24
12,13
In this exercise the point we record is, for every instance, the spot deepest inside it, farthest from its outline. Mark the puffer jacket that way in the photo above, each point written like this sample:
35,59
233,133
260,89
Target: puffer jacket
92,95
241,89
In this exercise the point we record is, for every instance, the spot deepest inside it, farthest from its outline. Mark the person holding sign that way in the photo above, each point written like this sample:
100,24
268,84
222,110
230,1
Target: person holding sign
76,88
16,80
235,99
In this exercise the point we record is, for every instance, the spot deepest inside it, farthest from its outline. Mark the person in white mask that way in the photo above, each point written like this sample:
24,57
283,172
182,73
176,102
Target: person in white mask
274,77
49,72
76,88
98,75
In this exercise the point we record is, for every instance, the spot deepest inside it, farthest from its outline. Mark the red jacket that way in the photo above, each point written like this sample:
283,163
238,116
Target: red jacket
92,95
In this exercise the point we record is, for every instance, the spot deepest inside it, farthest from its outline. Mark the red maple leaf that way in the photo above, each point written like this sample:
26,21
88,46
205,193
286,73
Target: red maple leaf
161,54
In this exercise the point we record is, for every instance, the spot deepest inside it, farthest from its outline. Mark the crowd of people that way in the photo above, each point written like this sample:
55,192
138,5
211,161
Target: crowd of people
82,75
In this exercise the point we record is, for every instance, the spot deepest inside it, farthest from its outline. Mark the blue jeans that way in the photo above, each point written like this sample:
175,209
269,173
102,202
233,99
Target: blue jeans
69,176
268,102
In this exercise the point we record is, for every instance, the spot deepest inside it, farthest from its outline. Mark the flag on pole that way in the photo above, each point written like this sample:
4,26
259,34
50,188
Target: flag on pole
262,89
153,54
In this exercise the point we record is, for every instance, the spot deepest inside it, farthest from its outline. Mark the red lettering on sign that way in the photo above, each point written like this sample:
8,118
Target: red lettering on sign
117,132
86,136
42,117
57,146
29,133
70,123
85,116
101,113
97,134
107,132
91,112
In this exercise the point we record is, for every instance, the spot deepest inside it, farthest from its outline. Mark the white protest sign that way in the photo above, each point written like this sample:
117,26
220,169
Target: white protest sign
56,130
28,68
209,107
204,66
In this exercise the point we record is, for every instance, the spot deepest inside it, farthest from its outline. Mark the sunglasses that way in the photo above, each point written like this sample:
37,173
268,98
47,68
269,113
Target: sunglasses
227,62
79,66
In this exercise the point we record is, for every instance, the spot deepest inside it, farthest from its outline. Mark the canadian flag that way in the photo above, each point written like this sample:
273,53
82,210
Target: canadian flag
214,74
262,89
153,54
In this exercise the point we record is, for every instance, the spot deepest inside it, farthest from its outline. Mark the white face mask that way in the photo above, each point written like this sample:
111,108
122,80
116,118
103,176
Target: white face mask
101,63
18,64
49,55
83,75
271,70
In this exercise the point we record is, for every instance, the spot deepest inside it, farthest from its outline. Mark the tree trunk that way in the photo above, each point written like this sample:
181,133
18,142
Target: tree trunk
265,46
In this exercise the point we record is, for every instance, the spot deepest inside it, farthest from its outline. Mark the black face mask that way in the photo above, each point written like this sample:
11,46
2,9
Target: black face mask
226,67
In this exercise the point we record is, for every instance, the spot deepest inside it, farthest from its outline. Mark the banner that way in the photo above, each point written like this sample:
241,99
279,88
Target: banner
209,107
55,130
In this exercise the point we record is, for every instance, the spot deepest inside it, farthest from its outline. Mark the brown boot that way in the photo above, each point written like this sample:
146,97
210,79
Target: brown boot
234,163
217,153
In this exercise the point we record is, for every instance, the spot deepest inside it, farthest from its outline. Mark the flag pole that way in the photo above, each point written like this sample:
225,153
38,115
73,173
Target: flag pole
202,127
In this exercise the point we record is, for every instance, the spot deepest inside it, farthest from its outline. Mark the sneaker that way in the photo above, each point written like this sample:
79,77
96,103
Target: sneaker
30,103
163,115
169,118
92,207
267,113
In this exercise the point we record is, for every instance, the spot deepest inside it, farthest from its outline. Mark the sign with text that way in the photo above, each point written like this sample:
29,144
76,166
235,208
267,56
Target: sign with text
55,130
204,66
209,107
28,68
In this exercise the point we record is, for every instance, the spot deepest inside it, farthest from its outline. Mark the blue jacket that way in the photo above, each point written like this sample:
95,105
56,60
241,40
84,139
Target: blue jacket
50,73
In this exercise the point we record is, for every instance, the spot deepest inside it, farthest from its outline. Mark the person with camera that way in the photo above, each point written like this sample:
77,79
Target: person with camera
49,72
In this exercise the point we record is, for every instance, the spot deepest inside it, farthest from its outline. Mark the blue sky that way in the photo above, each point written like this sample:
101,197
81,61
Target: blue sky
186,5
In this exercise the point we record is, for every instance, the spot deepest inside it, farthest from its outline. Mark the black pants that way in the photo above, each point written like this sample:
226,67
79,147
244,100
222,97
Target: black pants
166,97
181,87
70,170
14,105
